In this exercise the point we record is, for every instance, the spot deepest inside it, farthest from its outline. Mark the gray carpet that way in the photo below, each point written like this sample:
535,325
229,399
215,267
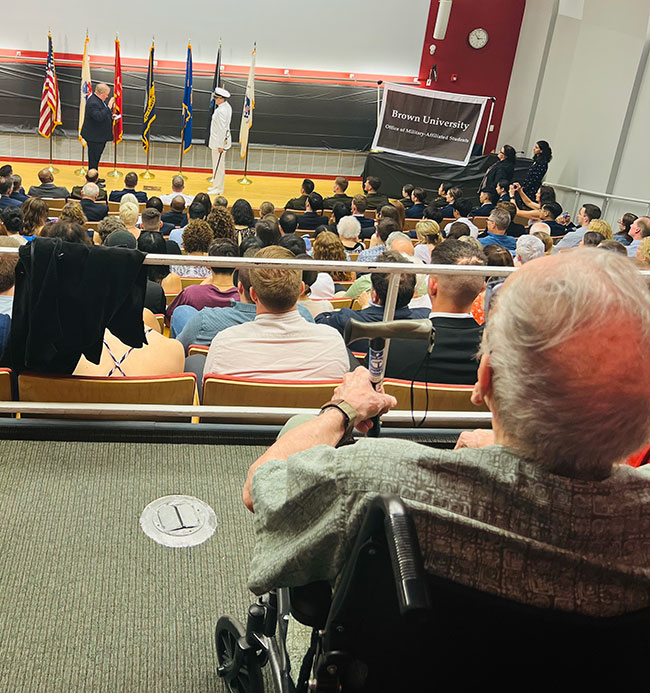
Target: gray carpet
89,603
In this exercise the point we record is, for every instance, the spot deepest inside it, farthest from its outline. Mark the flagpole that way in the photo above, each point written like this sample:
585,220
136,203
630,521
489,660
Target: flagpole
245,180
147,174
114,173
180,163
51,168
82,170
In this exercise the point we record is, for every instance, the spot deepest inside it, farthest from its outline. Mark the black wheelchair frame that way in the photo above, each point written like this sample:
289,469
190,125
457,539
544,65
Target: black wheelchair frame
389,626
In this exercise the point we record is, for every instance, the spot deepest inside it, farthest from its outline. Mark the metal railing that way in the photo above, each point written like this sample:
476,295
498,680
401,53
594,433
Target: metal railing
606,197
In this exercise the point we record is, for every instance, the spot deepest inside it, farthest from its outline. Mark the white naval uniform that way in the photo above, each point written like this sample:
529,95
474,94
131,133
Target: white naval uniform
219,137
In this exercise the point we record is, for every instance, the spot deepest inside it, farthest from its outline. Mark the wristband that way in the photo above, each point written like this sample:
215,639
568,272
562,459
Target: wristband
350,414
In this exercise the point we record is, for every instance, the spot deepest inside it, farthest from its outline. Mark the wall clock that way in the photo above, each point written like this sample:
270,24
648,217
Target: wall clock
478,38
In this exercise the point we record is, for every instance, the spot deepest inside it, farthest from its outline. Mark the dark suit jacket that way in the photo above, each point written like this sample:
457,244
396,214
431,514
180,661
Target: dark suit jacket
296,203
376,200
502,169
310,220
94,211
329,202
447,211
483,211
451,361
177,219
98,121
75,194
515,230
48,190
415,211
166,228
117,195
8,201
18,195
367,226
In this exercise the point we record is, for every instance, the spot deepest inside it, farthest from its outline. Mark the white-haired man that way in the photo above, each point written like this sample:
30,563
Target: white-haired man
97,127
349,229
529,248
94,211
220,140
178,185
543,513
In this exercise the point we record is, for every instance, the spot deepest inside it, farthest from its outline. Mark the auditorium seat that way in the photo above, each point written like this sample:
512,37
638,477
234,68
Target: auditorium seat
230,391
354,257
440,397
198,349
343,302
92,225
169,298
480,223
189,281
409,224
6,394
178,388
114,207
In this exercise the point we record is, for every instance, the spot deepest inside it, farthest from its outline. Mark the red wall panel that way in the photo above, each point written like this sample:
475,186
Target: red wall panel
482,72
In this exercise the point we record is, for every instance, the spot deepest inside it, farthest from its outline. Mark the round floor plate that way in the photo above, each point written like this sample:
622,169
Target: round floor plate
178,521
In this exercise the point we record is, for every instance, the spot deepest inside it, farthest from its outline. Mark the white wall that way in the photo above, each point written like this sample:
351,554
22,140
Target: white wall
337,35
585,93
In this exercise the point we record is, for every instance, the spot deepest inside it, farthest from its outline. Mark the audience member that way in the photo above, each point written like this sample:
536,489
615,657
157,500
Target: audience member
200,327
267,232
378,242
130,181
47,188
488,199
222,224
68,231
549,214
94,211
418,197
156,203
242,214
544,195
203,199
503,169
389,212
328,246
639,230
288,223
17,192
406,199
457,230
197,238
279,343
592,239
35,213
176,214
542,154
311,219
220,201
196,211
457,334
6,188
152,242
106,227
429,236
92,176
373,199
13,220
515,230
7,280
613,246
298,203
528,248
308,279
348,230
643,253
585,215
358,208
453,193
502,189
214,292
460,212
339,196
601,227
178,185
339,211
624,224
295,244
72,211
129,213
249,246
150,220
497,223
546,239
375,310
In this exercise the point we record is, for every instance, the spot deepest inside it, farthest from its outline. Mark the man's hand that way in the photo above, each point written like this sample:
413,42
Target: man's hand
364,299
564,219
479,438
221,150
111,102
357,390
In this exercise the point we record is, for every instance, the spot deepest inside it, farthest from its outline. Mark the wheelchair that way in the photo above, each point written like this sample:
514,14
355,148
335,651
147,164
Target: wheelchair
389,626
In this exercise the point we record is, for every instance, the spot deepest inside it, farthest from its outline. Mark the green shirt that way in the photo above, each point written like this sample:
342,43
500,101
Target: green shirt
485,518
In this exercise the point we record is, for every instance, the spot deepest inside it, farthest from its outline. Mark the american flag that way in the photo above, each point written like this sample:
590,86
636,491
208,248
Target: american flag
50,103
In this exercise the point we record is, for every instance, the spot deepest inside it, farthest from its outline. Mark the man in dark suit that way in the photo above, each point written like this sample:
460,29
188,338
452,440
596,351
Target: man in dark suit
6,186
97,128
457,335
307,188
17,193
375,311
488,199
47,187
91,177
130,181
340,186
156,203
373,198
359,205
177,215
94,211
311,219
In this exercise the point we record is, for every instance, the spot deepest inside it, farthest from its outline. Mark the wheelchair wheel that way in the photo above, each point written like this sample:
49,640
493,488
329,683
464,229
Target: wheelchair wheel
239,678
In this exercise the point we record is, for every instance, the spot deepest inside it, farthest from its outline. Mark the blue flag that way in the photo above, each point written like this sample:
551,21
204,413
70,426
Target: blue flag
186,126
149,103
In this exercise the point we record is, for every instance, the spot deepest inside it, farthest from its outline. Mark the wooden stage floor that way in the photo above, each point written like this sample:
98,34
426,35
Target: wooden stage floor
276,189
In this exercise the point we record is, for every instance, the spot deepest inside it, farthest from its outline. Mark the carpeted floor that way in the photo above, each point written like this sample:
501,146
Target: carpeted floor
89,603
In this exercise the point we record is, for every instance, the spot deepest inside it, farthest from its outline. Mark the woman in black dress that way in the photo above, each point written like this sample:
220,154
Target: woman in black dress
542,154
504,169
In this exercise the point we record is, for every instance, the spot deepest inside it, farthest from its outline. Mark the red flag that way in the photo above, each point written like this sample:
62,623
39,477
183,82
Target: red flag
117,108
50,115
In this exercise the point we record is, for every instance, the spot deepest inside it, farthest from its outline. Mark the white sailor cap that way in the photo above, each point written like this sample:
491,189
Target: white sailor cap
220,91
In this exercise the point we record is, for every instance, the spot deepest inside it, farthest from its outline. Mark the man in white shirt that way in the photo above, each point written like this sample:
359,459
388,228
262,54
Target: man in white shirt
279,343
220,140
462,208
7,271
178,185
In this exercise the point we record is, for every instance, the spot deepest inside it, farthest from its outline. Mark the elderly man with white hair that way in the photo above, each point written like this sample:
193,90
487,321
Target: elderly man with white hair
529,248
539,510
349,229
94,211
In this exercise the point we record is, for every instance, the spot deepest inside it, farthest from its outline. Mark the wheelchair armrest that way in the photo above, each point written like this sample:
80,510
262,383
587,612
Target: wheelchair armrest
311,603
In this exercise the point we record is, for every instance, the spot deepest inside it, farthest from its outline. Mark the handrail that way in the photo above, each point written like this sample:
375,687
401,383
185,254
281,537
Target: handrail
611,196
